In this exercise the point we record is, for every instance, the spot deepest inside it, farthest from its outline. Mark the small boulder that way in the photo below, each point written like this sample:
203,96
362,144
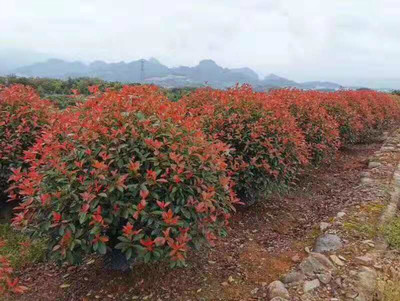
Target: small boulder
311,285
316,263
277,289
328,242
293,277
367,280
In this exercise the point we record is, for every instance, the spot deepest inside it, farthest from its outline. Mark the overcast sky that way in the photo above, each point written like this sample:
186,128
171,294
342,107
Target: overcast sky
299,39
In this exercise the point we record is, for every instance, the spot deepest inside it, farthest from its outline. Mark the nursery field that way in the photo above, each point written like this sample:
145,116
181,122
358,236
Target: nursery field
206,198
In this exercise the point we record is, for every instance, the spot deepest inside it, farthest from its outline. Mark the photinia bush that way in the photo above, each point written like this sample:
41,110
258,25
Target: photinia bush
320,129
360,114
117,172
267,146
22,117
133,171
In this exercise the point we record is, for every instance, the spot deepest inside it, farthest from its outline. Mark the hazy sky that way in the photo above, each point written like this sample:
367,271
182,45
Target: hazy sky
299,39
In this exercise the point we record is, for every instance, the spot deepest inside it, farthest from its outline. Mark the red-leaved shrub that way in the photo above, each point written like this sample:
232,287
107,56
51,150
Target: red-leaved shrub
131,170
268,148
116,171
22,117
320,129
360,114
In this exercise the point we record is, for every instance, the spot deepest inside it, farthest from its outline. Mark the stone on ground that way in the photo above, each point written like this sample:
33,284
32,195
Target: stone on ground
311,285
277,289
328,242
316,263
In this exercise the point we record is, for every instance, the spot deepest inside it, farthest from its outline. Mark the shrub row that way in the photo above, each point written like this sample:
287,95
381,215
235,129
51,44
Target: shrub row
274,135
267,147
115,171
23,115
131,170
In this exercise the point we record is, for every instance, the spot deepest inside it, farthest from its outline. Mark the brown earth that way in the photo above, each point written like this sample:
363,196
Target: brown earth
263,243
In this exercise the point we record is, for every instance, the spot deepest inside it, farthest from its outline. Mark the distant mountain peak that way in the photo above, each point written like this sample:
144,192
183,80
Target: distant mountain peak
273,76
55,61
207,72
208,62
154,61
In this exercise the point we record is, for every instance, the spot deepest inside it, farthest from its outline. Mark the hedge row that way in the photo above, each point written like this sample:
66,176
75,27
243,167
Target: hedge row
131,170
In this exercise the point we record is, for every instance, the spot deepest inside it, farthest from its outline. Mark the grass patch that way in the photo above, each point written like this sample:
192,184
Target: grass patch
365,230
374,209
392,233
366,226
19,248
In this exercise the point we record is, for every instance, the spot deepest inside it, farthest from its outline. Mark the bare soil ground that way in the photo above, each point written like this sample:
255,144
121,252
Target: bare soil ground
264,242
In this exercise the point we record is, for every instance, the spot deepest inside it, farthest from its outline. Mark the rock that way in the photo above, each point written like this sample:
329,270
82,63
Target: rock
328,242
277,289
311,285
336,260
323,226
293,277
325,278
366,279
316,263
279,299
365,260
340,214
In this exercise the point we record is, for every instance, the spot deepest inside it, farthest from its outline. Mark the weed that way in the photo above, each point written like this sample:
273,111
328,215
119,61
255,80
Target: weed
19,248
391,232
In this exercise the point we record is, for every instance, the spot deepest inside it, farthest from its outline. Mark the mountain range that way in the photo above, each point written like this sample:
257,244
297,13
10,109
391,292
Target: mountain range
207,72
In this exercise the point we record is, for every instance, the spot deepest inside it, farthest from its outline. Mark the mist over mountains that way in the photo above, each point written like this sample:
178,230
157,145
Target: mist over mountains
206,73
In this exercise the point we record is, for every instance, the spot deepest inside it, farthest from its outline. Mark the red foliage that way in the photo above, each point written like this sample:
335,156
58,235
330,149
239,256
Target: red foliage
124,166
319,128
131,170
22,117
267,146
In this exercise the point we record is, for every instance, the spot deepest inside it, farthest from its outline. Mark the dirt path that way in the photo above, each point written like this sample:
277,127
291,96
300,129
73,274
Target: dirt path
264,242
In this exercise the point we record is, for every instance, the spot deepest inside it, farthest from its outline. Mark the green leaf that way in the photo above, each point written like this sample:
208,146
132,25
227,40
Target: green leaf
102,248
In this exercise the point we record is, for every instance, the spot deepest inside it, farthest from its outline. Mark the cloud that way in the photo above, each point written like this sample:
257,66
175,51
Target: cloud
313,39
